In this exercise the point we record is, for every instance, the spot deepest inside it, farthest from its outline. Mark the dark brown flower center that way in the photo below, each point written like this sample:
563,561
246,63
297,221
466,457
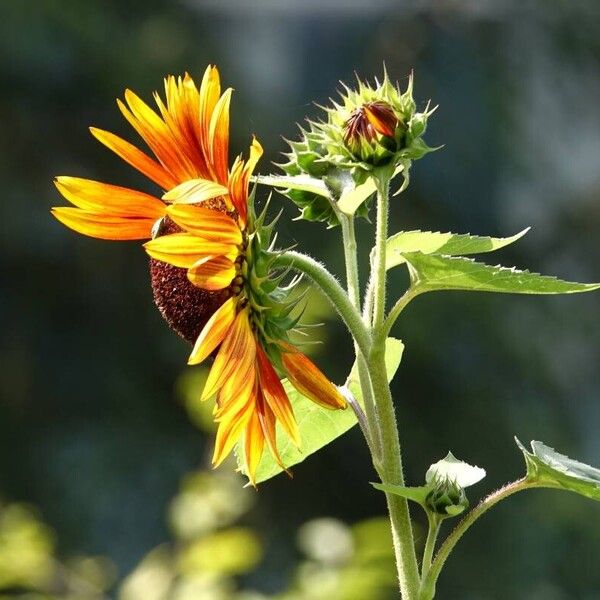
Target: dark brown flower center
185,307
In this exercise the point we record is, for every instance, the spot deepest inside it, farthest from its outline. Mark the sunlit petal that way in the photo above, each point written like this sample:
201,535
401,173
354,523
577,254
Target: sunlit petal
183,249
213,332
306,377
195,191
111,199
102,226
215,273
206,223
136,158
275,395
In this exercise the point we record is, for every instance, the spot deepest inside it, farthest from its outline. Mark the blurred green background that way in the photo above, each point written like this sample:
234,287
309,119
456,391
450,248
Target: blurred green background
102,467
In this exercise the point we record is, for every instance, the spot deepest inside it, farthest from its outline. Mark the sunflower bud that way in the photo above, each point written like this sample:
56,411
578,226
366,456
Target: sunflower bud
371,125
447,498
369,128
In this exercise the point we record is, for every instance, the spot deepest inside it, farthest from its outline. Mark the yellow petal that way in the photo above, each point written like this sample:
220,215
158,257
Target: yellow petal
229,432
235,355
110,199
184,249
306,377
268,425
213,332
254,443
102,226
218,137
206,223
275,395
212,274
136,158
195,191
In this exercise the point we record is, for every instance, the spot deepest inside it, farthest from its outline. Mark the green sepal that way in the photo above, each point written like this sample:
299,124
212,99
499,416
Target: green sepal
548,468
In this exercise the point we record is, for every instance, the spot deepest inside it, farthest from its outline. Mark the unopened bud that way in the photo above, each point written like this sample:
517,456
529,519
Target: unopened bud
447,498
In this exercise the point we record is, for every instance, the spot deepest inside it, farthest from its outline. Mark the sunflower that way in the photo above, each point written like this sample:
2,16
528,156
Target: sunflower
211,266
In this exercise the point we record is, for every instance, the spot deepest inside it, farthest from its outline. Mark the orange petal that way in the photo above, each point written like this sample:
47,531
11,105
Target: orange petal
206,223
218,137
195,191
213,332
254,443
156,133
102,226
305,376
136,158
268,425
235,355
184,249
234,391
275,395
212,274
230,431
110,199
210,90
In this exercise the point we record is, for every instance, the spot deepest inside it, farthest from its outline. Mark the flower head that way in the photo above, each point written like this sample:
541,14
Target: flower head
211,268
370,128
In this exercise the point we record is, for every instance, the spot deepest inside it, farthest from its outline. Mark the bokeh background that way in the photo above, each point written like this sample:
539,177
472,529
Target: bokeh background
104,455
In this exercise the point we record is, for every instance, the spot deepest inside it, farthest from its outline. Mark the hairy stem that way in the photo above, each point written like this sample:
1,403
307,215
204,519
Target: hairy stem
329,285
353,283
391,472
429,581
379,271
434,529
390,468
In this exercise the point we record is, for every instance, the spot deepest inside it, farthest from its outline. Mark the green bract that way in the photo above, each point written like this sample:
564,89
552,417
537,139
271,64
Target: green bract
368,129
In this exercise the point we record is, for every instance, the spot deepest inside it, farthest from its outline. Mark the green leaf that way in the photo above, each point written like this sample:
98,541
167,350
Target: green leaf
432,272
318,426
306,183
352,198
435,242
416,494
549,468
455,470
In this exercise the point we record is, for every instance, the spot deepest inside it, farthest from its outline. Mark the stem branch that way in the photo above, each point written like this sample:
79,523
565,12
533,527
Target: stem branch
332,289
429,581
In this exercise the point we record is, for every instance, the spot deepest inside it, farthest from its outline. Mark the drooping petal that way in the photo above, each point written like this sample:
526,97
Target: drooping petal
306,377
103,226
234,390
213,273
195,191
136,158
183,249
268,425
275,395
254,443
230,431
213,332
235,355
206,223
110,199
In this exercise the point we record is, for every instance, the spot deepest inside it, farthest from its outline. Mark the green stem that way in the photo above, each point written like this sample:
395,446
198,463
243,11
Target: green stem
434,529
332,289
391,472
429,581
411,293
353,282
379,270
390,467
